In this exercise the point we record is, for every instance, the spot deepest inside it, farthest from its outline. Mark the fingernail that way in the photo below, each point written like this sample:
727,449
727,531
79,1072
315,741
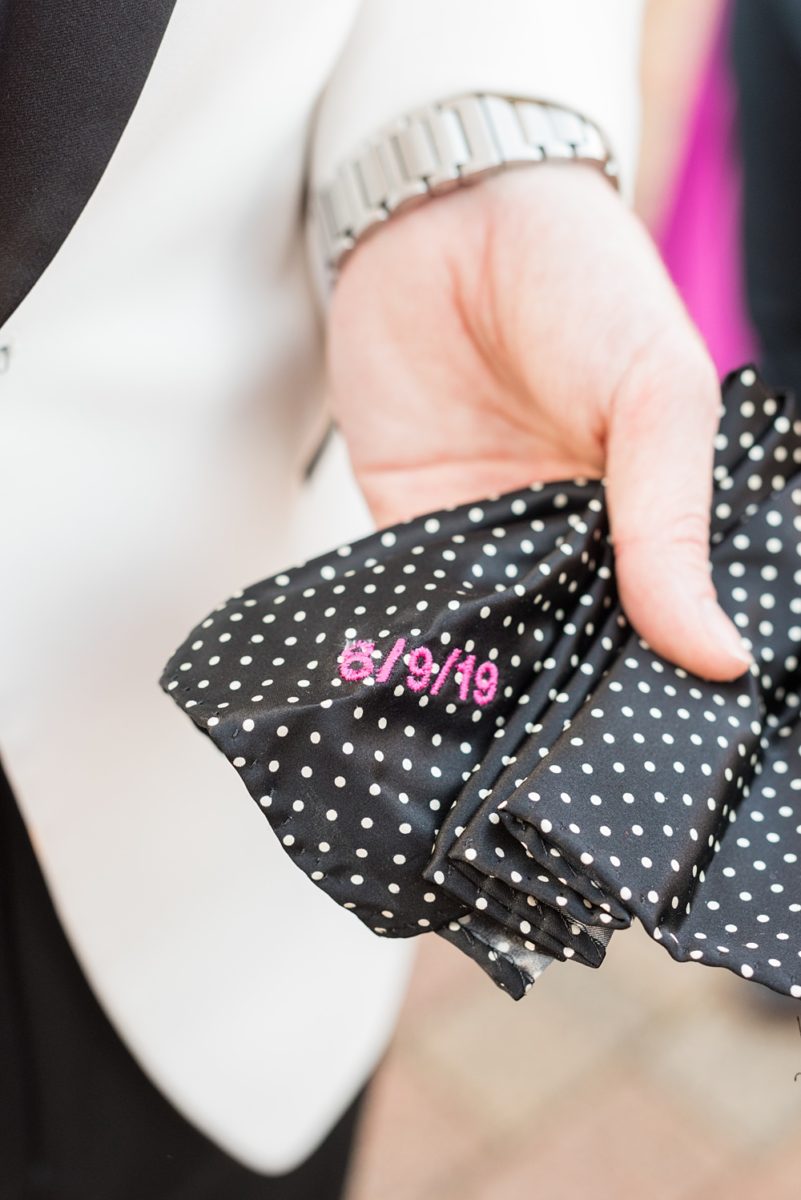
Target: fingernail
722,631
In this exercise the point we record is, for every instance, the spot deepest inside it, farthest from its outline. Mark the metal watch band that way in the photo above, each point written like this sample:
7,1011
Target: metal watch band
440,147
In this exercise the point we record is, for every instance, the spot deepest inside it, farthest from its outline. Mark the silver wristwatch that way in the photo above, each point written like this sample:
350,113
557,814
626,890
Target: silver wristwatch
440,147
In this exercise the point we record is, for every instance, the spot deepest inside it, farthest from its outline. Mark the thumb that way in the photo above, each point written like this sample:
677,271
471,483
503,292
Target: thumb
659,463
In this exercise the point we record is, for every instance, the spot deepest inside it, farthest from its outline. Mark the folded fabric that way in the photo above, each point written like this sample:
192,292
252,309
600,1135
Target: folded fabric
451,725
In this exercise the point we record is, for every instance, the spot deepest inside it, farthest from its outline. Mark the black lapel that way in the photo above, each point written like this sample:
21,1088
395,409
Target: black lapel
70,74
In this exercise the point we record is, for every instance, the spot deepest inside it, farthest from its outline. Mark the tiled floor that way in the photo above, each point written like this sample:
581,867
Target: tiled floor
647,1078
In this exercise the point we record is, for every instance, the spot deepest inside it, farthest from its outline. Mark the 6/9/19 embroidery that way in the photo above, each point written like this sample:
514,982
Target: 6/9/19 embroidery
357,662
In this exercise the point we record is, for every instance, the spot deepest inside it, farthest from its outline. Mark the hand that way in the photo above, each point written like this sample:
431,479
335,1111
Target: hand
525,329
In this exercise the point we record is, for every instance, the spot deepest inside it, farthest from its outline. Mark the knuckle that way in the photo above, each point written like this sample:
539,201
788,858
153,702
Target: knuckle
671,367
687,530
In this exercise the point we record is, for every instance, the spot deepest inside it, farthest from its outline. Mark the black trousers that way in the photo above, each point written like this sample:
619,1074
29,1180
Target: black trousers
766,55
79,1120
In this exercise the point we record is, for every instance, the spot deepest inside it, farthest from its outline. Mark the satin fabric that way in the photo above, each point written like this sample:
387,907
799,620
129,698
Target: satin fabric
452,726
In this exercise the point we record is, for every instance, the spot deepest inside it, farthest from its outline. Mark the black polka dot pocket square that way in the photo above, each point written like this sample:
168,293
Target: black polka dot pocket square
451,726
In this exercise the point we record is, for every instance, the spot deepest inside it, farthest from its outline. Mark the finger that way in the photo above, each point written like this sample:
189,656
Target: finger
663,421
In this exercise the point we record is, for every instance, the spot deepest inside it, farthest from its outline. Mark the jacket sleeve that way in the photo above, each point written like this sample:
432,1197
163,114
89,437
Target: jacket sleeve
403,53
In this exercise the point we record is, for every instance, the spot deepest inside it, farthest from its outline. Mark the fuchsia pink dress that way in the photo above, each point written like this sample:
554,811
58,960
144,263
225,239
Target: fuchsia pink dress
700,237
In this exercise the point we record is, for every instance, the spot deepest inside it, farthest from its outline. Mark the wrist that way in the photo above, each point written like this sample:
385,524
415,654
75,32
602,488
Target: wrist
438,149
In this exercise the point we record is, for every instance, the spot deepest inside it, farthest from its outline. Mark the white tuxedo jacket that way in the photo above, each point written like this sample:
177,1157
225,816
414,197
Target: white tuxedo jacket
162,378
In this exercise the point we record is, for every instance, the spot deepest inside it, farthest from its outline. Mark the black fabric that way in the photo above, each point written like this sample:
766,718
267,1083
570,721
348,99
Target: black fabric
766,47
70,75
79,1120
594,783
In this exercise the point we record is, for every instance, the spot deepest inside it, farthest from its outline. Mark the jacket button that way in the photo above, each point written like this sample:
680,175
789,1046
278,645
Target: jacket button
5,359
